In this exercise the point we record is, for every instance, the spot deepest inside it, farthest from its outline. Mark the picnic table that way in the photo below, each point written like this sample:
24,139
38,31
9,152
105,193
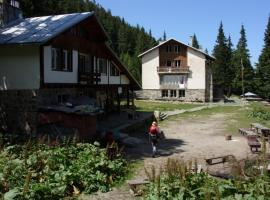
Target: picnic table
260,129
245,132
253,143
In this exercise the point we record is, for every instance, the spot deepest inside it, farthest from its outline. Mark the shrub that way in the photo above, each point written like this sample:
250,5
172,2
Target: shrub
260,113
43,172
178,181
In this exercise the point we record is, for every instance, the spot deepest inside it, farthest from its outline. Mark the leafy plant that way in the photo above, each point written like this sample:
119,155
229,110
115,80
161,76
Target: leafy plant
260,113
43,172
179,180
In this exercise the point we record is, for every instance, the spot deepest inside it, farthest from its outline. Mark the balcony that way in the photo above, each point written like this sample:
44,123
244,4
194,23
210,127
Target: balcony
173,70
88,78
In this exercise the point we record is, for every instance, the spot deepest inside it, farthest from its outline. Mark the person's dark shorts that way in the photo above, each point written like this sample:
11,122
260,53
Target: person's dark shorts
154,139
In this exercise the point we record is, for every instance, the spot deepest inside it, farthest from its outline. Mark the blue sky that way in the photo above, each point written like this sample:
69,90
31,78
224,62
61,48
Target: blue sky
182,18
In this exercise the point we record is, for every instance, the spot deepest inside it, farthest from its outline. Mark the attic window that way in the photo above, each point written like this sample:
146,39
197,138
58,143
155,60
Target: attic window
177,48
168,48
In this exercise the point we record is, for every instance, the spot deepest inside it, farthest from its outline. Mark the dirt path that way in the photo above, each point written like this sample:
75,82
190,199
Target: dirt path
186,139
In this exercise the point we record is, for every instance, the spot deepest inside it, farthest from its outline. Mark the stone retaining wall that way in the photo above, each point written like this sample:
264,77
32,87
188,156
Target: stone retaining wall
19,108
191,95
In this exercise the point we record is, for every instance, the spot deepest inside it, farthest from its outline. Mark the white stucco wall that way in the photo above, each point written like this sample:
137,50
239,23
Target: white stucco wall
51,76
20,67
196,63
113,80
124,79
150,77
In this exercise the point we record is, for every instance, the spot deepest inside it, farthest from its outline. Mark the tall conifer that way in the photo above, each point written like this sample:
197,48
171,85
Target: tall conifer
263,67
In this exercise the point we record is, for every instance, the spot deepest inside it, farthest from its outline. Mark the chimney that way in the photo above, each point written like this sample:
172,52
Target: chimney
9,11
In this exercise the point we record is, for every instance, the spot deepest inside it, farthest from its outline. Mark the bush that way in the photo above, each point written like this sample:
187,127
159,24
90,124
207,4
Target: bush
176,181
43,172
260,113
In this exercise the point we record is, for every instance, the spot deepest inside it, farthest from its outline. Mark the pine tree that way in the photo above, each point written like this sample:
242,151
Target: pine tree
263,67
229,70
220,52
242,65
164,36
195,42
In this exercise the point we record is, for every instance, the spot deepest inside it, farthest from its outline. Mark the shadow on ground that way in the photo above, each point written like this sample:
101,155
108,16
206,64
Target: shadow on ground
165,147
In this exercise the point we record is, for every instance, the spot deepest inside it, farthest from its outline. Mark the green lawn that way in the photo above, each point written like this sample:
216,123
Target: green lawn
163,106
236,116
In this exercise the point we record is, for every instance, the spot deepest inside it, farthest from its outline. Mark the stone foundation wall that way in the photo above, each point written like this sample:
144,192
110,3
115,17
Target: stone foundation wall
148,94
195,95
18,111
19,108
190,96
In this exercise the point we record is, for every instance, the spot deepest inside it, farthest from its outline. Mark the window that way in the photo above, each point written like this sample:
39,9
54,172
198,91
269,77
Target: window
173,93
61,60
177,63
85,63
169,63
102,66
177,48
168,48
182,93
164,93
113,70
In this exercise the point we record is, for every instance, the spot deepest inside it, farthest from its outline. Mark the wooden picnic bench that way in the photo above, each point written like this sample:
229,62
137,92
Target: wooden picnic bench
253,143
260,129
245,132
219,159
134,185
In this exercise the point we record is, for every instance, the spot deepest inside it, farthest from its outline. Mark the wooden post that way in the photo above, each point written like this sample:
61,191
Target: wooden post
118,101
128,100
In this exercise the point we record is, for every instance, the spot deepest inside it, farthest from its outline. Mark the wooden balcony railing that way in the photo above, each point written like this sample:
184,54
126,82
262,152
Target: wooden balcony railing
173,70
88,78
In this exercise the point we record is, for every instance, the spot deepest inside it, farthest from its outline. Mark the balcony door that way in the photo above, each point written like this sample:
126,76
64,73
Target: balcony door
85,63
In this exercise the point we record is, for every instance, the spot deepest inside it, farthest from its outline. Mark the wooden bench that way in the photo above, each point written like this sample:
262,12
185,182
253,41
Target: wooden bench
245,132
134,185
253,143
260,129
217,160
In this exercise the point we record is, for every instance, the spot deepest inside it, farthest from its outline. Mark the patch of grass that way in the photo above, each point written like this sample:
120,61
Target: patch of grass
235,116
163,105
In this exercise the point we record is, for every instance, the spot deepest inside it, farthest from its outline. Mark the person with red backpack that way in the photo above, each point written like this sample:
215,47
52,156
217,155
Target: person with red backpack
153,134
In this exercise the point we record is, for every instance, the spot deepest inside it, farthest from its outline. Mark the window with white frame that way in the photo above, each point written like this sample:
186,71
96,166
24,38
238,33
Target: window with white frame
164,93
61,60
177,63
173,93
113,70
182,93
177,48
102,66
168,48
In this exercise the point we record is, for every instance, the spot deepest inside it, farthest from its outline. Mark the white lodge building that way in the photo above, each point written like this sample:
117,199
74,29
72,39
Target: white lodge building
173,70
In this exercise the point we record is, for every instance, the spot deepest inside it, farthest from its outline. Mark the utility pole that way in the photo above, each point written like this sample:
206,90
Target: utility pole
242,72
